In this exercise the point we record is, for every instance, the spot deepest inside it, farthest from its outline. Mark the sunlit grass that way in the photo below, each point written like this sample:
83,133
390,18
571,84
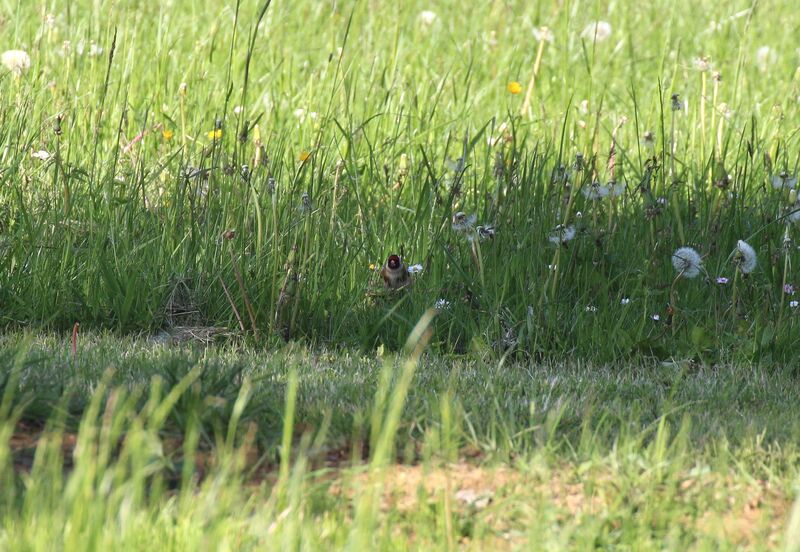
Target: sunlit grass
597,203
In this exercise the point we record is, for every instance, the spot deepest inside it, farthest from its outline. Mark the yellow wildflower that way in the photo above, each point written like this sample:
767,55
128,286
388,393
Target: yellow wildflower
304,156
167,134
514,87
215,134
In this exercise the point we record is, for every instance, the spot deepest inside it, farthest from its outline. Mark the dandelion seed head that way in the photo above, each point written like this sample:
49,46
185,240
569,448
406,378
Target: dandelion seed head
745,257
616,189
595,191
562,234
16,61
427,18
463,222
543,34
702,64
783,180
649,140
765,56
598,31
687,262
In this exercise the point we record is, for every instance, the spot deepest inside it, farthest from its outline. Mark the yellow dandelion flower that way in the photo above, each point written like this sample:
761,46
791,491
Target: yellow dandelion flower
304,156
372,266
167,134
215,134
514,87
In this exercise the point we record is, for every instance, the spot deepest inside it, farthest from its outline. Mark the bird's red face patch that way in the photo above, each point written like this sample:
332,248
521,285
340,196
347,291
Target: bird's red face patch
393,262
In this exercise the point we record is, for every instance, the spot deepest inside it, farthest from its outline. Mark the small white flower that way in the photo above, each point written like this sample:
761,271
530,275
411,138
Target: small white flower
463,222
562,234
591,308
41,155
441,304
625,301
552,267
687,262
722,280
543,34
237,110
16,61
583,107
794,304
655,317
415,269
597,32
300,113
745,257
427,17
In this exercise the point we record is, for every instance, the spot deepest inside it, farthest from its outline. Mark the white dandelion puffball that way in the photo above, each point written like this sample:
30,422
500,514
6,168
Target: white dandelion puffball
16,61
543,34
783,180
687,262
765,56
427,17
745,257
463,222
794,213
596,191
597,32
562,234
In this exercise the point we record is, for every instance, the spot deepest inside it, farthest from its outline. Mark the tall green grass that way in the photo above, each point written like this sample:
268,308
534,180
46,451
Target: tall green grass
361,113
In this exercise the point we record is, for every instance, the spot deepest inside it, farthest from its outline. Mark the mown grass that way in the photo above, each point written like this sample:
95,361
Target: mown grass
131,443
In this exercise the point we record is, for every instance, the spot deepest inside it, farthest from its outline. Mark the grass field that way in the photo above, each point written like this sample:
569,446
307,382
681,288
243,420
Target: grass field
597,205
